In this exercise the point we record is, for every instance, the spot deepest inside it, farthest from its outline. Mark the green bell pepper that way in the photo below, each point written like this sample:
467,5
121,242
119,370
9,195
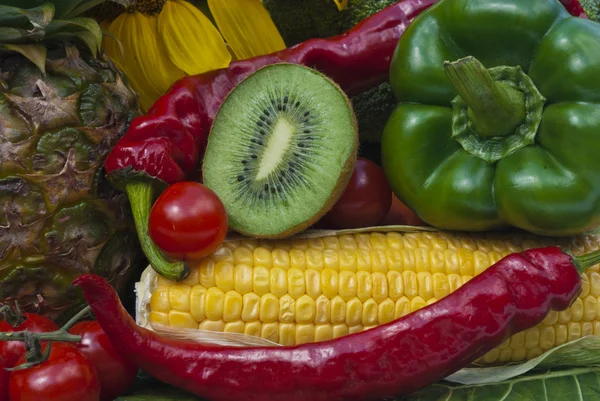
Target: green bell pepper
498,122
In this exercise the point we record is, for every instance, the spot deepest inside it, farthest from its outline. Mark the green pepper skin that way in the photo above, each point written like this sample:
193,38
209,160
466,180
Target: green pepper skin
551,187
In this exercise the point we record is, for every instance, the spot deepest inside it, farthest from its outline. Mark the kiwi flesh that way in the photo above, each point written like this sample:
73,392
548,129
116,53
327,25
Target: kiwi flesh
281,150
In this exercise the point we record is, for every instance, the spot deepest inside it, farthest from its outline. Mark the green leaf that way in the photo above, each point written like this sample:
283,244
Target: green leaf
86,29
583,352
576,384
34,53
36,18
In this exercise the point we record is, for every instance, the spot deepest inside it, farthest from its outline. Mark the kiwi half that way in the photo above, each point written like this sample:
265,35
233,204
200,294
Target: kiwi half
281,150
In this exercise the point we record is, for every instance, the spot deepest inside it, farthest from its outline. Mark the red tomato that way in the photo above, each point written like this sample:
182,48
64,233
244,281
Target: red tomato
401,215
188,221
10,351
116,374
66,375
366,199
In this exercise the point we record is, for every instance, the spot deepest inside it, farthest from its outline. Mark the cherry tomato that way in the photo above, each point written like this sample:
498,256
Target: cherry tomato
10,351
188,221
66,375
366,199
115,373
401,215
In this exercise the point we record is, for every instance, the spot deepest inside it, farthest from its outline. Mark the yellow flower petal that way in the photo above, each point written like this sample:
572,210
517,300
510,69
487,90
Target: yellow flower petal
191,40
247,27
341,4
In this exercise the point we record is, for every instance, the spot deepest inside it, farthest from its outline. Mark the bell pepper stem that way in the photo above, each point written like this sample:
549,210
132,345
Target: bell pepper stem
495,108
140,197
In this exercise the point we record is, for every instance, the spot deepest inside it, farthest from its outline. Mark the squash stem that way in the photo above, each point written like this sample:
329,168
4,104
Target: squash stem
495,108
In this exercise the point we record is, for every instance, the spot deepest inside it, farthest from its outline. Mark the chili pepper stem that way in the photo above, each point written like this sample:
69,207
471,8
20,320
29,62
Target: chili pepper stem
584,262
496,108
140,197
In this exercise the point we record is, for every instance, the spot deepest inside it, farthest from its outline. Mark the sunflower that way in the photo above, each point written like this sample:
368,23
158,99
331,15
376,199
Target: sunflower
156,42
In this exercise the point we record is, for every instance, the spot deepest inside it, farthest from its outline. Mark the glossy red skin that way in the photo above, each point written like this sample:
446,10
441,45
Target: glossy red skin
394,359
188,221
574,8
67,375
168,141
366,199
401,215
116,374
11,351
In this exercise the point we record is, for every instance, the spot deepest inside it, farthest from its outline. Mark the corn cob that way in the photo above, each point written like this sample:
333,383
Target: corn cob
314,289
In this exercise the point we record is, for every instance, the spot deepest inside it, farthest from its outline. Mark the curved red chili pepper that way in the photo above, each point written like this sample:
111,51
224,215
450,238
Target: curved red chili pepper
574,8
168,141
394,359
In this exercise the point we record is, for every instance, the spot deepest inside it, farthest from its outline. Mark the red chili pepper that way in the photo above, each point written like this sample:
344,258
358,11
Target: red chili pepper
167,143
394,359
574,8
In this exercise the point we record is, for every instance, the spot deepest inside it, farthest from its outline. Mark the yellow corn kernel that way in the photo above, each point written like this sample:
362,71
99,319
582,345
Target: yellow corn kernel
573,331
232,306
355,329
577,310
206,273
425,285
466,262
270,331
411,284
348,285
338,310
587,329
251,307
287,333
287,309
532,337
223,254
364,285
378,241
260,280
159,318
590,305
408,260
417,303
551,318
395,260
181,320
331,259
323,332
363,261
212,325
235,327
159,301
561,333
242,279
215,301
363,240
297,259
402,307
347,260
164,282
314,259
243,255
198,303
305,310
452,263
395,285
278,281
481,262
305,333
329,283
441,286
354,310
262,257
385,312
547,337
340,330
378,261
438,265
370,310
380,287
322,310
300,243
394,240
331,243
316,243
585,284
269,308
313,283
281,259
253,328
296,283
224,276
193,278
422,262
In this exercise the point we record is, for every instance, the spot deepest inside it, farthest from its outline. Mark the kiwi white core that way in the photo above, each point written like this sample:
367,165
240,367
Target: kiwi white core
277,145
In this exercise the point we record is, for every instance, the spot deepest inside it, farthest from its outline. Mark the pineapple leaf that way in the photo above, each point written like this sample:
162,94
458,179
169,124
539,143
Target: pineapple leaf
86,29
33,18
34,53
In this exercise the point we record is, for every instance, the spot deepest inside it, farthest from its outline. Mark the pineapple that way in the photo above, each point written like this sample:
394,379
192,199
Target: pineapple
63,106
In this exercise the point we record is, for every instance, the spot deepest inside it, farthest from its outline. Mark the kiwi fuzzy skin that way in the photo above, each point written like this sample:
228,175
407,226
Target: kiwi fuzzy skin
343,179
